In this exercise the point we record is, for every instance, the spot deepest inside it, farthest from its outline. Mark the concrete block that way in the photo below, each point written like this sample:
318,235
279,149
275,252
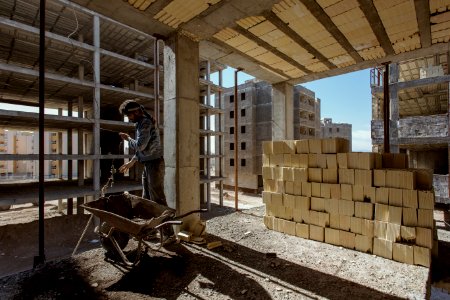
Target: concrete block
424,237
346,192
306,189
367,228
380,229
331,161
425,218
303,160
358,193
403,253
312,161
393,232
325,190
409,216
381,212
347,239
342,160
379,178
364,210
321,161
363,243
330,175
302,230
363,177
303,203
302,146
300,174
267,147
410,199
287,160
382,195
382,248
356,225
408,233
395,215
396,197
335,191
345,222
268,221
315,145
426,199
316,233
317,204
346,208
289,187
334,221
422,256
332,236
289,227
347,176
315,189
369,194
315,175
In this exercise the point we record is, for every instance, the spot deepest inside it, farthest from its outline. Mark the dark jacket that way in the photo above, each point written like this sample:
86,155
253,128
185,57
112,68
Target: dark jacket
147,143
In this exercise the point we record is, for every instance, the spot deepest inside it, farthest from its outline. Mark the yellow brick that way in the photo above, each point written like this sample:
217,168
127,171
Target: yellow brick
288,174
346,191
410,198
297,215
267,197
280,186
302,146
266,160
335,145
297,188
409,216
344,222
424,179
315,189
300,174
393,232
276,160
335,191
315,145
312,161
379,178
395,160
426,199
295,160
352,160
425,218
306,189
382,248
334,221
367,228
422,256
381,212
287,160
395,197
325,190
366,160
277,199
316,233
424,237
382,195
380,229
358,193
289,147
302,203
363,177
347,239
269,185
278,147
268,221
408,233
347,176
267,147
302,230
315,175
332,236
346,208
317,204
267,173
369,194
332,206
395,215
303,160
402,179
331,161
403,253
363,243
321,161
289,227
289,187
356,225
288,213
364,210
278,173
319,218
330,175
289,200
342,160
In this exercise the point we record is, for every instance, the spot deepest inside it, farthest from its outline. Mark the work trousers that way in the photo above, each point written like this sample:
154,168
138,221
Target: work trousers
153,181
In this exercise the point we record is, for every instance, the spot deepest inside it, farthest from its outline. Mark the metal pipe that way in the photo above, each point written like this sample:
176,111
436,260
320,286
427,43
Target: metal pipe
386,116
236,158
220,138
38,260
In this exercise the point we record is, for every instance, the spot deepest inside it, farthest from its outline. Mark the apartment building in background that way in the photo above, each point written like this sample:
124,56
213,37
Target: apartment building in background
255,126
336,130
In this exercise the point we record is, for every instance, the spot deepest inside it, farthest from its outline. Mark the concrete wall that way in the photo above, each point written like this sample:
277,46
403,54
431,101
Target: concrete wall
440,185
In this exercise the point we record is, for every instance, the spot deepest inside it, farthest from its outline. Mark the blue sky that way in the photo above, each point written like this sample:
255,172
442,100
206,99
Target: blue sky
345,99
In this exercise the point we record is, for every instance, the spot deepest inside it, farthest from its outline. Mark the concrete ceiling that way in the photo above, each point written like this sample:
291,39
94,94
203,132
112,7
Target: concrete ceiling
294,40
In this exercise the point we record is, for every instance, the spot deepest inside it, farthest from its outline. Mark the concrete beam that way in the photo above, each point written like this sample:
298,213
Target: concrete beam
282,112
414,83
423,20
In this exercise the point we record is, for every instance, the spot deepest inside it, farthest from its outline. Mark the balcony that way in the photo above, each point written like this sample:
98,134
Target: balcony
308,123
306,106
418,130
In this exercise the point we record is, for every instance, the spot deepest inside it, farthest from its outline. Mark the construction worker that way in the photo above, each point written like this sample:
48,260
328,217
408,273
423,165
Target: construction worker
147,147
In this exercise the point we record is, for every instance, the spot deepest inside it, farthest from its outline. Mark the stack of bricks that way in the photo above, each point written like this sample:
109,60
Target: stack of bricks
316,189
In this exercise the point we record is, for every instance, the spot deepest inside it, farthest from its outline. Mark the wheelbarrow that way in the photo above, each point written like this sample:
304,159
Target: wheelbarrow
124,216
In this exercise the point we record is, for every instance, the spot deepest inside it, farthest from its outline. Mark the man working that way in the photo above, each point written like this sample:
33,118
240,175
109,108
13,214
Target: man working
147,147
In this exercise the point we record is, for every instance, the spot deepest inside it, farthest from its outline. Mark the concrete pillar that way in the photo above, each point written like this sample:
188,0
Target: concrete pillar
181,125
96,105
282,111
394,109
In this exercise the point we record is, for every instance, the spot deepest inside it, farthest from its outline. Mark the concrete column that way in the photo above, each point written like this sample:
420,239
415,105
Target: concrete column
181,125
282,111
394,109
69,162
96,104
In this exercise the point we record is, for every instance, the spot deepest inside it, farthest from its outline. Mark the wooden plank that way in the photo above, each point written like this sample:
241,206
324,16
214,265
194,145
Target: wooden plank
423,20
273,18
317,11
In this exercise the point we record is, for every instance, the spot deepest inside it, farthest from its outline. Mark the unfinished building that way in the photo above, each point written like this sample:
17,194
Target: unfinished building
418,90
338,130
256,122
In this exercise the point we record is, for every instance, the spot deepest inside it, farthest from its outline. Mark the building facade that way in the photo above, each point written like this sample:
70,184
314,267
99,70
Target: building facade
255,122
332,130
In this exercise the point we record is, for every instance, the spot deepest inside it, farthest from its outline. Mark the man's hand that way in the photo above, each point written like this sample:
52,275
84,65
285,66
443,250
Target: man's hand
124,136
125,167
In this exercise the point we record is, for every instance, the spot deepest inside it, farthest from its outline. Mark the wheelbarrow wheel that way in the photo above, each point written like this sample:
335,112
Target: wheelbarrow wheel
120,237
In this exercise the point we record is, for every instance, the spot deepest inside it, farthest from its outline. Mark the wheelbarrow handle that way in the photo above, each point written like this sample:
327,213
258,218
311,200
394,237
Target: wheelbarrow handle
190,213
169,223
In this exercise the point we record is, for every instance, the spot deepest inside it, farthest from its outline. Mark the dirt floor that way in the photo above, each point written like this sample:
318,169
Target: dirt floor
240,269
